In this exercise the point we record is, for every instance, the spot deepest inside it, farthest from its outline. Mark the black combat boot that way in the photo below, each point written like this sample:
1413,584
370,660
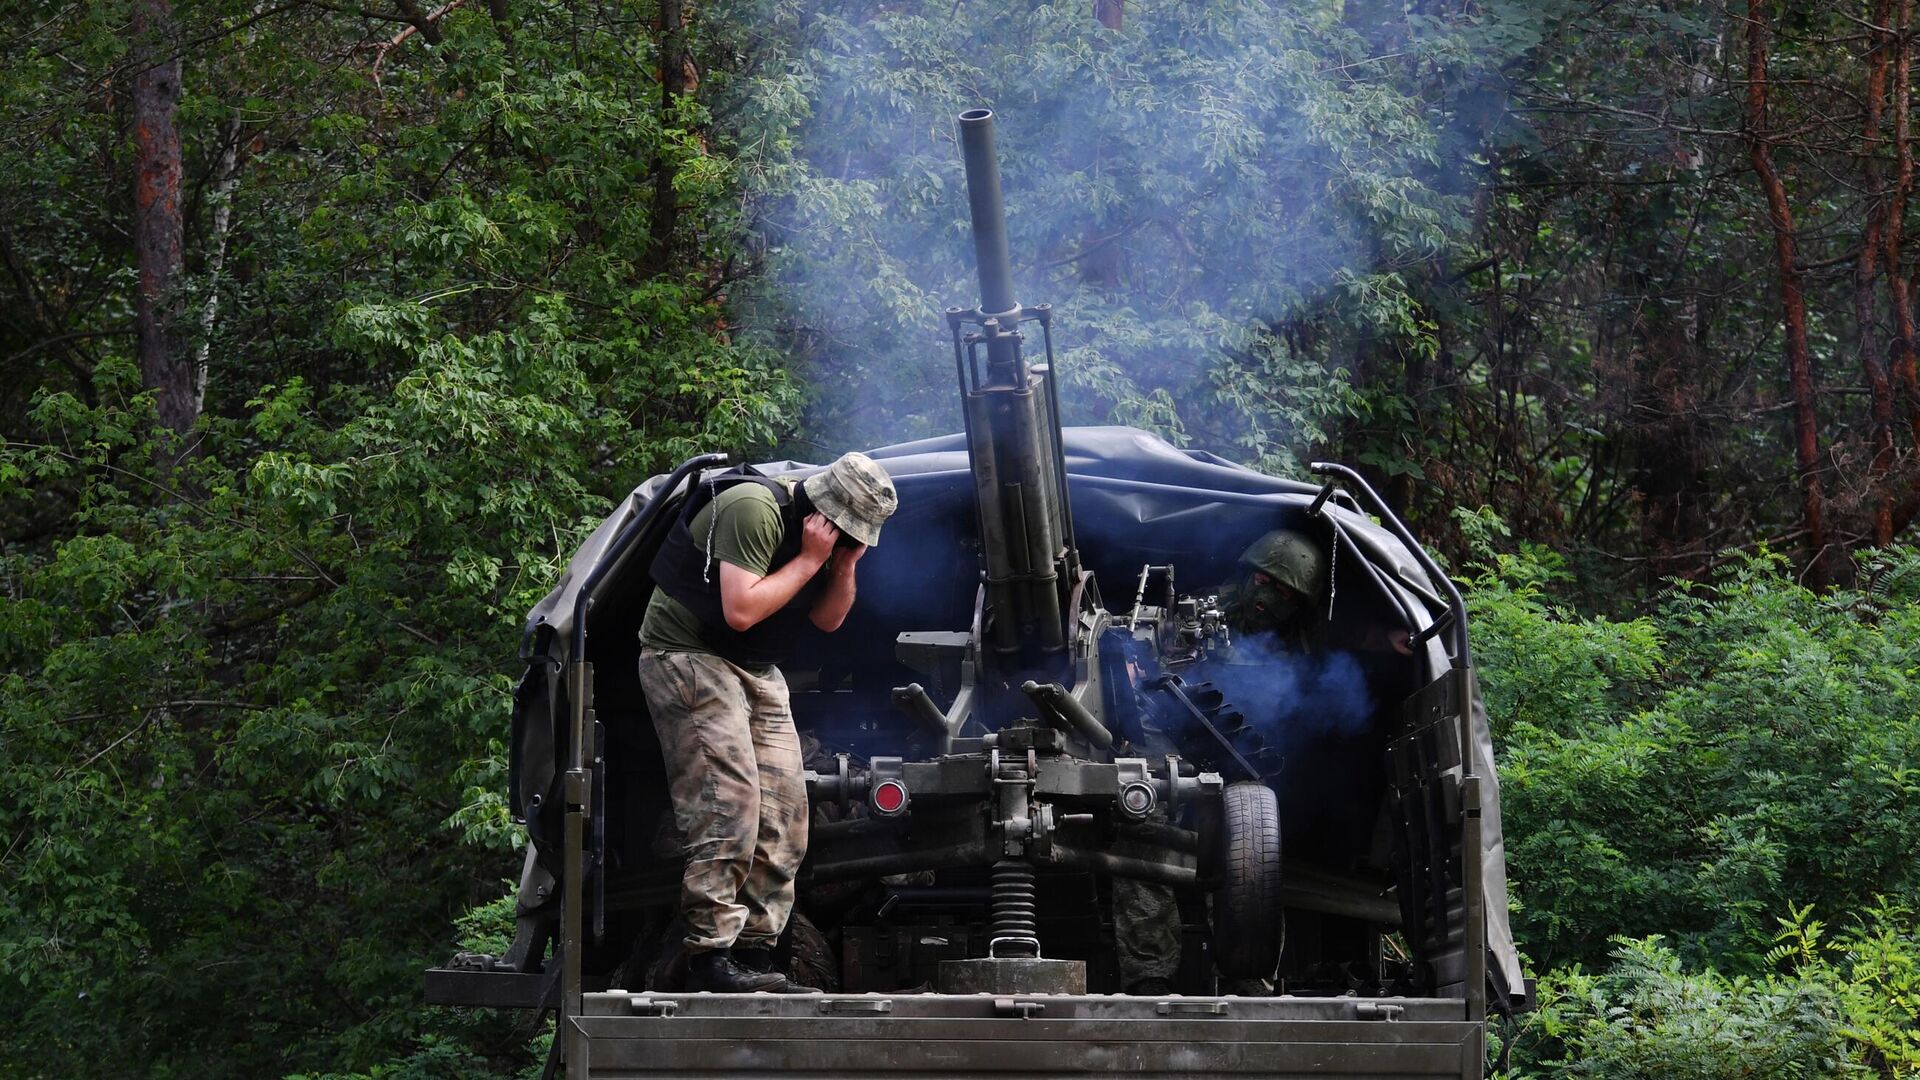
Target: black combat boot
755,958
715,972
759,958
788,986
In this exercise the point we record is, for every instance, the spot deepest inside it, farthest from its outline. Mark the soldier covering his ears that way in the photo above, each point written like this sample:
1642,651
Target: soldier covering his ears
748,560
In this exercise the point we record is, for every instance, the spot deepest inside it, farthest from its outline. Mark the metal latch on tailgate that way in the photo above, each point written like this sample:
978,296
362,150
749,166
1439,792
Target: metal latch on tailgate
1191,1008
857,1006
644,1006
1377,1010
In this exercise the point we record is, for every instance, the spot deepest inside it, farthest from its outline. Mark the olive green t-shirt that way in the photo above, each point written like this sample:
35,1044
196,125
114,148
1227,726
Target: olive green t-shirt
741,526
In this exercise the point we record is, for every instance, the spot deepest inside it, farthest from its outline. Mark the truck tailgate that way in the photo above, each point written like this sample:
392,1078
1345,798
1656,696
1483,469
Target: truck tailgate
621,1034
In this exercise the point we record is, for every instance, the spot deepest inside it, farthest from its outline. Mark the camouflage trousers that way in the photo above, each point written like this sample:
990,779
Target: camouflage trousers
739,797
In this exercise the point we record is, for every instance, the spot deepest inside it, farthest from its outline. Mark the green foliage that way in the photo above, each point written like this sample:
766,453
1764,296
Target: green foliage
1825,1008
253,706
1680,793
1646,1017
1692,772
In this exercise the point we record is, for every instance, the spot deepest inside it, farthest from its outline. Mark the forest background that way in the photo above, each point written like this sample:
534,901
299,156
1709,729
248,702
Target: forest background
330,327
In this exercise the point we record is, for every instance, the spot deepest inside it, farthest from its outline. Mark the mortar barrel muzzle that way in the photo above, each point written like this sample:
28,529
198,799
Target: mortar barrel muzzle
989,212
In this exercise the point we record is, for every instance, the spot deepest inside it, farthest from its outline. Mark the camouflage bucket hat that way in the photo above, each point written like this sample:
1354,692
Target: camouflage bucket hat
855,494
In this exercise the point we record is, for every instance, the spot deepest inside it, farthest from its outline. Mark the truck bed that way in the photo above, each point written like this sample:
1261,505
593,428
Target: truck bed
621,1034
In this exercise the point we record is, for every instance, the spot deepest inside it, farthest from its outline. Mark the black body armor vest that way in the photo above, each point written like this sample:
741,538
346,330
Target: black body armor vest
684,571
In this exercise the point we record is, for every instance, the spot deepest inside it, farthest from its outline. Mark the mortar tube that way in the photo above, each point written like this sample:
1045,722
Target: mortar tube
988,210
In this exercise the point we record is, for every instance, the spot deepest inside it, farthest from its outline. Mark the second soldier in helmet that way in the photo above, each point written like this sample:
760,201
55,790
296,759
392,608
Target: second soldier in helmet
1279,589
1273,602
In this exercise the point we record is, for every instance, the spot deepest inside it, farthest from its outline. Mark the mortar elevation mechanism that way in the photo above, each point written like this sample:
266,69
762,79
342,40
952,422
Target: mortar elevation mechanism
1020,774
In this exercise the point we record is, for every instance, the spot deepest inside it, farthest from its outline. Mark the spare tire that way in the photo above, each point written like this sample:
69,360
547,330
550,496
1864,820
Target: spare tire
1246,905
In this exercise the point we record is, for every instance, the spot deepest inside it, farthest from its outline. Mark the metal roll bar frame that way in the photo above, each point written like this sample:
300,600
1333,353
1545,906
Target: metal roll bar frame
1472,840
584,779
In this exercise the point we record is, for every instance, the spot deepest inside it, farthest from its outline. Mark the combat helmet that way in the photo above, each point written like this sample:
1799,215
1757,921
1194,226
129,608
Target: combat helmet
1281,576
1292,558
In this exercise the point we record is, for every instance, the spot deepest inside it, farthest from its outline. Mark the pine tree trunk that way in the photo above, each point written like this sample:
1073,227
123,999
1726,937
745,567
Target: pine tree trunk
1882,225
666,207
1901,287
1793,300
157,225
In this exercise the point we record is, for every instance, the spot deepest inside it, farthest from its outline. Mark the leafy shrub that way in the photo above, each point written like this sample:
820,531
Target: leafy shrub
1845,1007
1748,745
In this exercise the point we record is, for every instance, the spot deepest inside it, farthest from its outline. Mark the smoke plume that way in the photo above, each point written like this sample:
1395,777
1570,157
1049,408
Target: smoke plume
1219,199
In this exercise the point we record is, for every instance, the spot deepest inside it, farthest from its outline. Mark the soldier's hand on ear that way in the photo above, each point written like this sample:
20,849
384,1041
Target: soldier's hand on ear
817,538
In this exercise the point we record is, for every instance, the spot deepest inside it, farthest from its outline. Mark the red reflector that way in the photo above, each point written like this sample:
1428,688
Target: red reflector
890,797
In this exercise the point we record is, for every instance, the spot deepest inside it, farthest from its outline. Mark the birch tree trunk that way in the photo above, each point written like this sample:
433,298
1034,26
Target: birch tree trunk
226,182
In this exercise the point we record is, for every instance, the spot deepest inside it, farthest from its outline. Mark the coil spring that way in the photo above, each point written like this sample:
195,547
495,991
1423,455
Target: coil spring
1013,901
